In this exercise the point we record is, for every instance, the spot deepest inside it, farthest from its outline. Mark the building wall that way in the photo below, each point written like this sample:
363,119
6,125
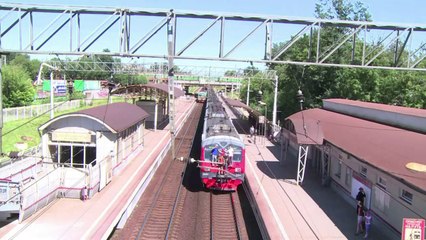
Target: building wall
348,173
108,141
118,146
384,191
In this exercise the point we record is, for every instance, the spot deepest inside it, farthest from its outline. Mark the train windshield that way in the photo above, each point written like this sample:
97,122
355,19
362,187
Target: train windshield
208,149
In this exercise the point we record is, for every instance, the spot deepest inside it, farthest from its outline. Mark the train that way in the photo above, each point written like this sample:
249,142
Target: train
201,96
222,160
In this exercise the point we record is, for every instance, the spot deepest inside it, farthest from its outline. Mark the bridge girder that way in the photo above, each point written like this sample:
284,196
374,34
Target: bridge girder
24,29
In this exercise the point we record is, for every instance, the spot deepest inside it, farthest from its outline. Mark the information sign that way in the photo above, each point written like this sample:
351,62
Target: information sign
413,229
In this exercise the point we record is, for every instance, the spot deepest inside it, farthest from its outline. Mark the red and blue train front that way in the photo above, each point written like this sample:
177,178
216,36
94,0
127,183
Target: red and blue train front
222,174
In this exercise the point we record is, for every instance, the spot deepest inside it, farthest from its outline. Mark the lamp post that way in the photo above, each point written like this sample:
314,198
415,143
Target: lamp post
248,92
264,117
274,110
301,98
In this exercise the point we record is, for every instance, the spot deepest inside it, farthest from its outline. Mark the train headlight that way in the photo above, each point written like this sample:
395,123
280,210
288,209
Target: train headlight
237,169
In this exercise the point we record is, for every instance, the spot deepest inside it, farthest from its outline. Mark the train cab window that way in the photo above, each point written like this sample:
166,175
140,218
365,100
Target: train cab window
208,152
237,154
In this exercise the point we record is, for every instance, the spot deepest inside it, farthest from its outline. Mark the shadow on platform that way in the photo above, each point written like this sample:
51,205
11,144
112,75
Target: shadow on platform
340,212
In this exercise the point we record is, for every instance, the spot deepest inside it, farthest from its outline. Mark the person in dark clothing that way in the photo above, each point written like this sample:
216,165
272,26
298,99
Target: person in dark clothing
361,196
215,153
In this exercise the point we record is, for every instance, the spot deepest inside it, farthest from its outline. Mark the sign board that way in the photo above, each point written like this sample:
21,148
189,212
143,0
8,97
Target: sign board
61,89
59,86
71,137
261,119
413,229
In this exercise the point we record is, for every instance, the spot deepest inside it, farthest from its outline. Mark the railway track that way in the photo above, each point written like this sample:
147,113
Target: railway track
154,214
224,218
175,205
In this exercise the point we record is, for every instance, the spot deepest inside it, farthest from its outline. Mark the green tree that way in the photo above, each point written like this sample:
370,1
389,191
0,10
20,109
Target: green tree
128,79
230,73
30,66
17,88
342,10
318,82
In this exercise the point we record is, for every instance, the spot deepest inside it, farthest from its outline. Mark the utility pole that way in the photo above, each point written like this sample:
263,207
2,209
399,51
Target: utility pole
52,95
274,110
248,92
171,24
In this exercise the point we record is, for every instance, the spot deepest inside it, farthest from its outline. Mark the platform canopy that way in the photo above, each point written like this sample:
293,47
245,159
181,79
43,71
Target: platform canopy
239,104
147,89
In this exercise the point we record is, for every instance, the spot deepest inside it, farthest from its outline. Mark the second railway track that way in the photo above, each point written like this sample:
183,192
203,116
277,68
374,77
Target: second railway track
175,205
153,216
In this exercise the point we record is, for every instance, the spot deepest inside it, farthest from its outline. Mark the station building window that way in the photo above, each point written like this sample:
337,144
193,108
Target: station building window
363,171
73,155
348,177
381,182
339,169
407,196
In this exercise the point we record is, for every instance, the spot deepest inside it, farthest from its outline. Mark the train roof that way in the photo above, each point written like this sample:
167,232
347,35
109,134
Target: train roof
217,121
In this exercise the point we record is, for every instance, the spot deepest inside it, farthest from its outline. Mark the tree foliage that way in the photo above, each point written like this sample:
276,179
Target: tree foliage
17,87
30,66
317,83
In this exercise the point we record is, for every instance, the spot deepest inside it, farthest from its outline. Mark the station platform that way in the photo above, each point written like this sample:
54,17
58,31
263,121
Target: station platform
95,218
290,211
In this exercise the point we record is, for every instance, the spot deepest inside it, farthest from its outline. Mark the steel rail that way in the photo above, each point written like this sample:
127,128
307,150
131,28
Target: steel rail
163,182
182,178
237,225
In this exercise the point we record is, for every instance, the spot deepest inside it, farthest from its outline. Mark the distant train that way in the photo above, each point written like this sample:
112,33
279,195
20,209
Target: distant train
222,164
201,96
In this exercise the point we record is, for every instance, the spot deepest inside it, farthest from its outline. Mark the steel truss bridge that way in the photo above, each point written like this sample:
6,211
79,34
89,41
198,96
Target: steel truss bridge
35,29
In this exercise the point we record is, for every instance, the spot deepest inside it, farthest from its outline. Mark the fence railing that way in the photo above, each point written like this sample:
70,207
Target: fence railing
17,113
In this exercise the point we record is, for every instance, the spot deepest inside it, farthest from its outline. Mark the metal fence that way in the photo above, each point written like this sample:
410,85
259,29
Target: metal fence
12,114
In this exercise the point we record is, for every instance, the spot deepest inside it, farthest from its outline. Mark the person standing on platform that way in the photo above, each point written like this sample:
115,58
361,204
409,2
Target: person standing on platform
360,218
361,196
84,193
367,220
251,131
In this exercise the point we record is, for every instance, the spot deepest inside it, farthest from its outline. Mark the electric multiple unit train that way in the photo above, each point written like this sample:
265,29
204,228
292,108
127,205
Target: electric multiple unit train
222,164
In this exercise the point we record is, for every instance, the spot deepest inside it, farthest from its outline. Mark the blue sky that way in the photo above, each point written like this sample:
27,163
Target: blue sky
393,11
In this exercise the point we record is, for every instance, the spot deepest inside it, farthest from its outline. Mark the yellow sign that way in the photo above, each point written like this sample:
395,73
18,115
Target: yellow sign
71,137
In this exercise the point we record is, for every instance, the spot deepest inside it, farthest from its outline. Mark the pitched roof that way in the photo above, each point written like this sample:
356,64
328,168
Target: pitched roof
385,147
116,116
238,103
119,116
379,106
413,119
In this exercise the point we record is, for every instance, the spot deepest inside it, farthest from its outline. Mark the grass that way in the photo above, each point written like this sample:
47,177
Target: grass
26,130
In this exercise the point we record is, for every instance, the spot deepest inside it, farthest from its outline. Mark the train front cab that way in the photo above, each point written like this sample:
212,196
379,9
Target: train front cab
223,174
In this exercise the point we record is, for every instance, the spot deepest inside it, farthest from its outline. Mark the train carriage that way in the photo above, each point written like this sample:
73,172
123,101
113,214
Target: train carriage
201,96
224,171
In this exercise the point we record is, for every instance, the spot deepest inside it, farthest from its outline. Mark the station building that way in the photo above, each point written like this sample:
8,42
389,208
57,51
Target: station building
80,152
99,137
353,144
